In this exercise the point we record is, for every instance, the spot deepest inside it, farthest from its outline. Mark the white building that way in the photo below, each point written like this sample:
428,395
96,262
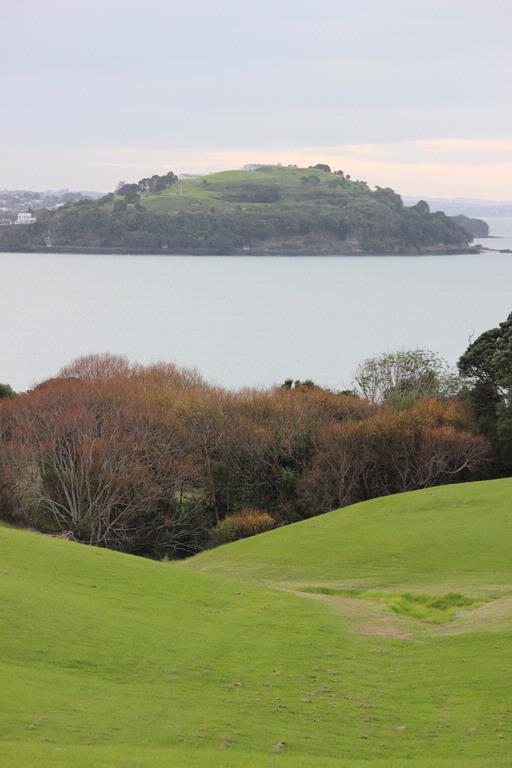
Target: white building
25,218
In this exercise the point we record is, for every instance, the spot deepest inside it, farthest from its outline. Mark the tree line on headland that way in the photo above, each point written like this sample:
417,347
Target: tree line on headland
272,210
155,461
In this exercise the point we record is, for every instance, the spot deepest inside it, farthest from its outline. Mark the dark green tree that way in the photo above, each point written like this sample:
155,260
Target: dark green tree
130,192
6,391
487,365
488,359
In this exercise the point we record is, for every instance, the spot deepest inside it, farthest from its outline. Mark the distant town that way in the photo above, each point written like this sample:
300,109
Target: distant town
17,206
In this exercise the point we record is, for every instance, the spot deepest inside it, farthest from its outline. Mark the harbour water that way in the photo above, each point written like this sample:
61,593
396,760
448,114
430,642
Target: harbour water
246,321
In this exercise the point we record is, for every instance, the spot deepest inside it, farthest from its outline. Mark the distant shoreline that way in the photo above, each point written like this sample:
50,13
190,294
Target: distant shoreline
113,251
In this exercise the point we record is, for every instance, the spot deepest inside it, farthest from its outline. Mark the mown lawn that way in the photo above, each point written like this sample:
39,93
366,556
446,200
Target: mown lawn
454,537
112,660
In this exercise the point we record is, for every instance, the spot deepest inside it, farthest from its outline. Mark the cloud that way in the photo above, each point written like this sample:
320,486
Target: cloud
444,166
439,167
459,145
371,150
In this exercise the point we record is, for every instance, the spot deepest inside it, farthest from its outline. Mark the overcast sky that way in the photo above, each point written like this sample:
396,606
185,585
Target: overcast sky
407,93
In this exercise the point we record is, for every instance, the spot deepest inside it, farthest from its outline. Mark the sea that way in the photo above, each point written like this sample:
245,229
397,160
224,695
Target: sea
247,321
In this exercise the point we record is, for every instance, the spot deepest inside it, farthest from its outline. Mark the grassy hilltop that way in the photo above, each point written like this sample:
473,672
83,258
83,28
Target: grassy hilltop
377,635
440,537
272,209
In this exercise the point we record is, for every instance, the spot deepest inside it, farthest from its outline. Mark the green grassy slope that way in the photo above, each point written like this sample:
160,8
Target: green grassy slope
212,190
111,660
454,536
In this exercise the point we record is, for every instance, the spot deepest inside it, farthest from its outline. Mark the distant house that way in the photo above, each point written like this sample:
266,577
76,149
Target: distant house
252,167
25,218
4,222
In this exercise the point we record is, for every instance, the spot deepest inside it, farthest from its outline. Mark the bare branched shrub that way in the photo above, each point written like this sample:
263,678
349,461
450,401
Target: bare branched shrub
96,366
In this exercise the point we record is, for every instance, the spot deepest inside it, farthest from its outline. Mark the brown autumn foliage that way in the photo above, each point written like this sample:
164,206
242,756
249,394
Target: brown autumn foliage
150,459
247,522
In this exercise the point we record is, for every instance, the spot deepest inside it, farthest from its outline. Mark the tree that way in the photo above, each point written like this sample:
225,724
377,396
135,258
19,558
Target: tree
96,366
104,462
119,205
130,192
487,367
488,359
389,197
159,183
6,391
405,376
422,207
321,167
389,452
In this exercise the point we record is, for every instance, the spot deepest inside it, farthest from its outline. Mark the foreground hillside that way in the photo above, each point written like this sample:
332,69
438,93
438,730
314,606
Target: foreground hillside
112,660
444,536
267,210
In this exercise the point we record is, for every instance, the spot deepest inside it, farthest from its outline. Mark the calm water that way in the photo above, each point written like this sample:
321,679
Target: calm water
501,231
248,320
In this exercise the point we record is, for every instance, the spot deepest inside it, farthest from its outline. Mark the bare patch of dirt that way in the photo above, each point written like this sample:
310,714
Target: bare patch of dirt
372,618
365,617
388,630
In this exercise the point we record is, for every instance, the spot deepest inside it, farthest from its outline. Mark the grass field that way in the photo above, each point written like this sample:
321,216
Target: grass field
452,537
205,192
283,650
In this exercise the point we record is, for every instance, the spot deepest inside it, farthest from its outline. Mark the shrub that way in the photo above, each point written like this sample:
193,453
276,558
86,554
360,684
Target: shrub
246,523
148,459
6,391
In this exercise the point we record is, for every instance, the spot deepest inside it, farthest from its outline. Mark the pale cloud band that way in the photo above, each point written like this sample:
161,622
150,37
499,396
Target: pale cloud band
444,167
452,167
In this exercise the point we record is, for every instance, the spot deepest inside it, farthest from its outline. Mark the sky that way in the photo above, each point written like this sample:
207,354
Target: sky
412,95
